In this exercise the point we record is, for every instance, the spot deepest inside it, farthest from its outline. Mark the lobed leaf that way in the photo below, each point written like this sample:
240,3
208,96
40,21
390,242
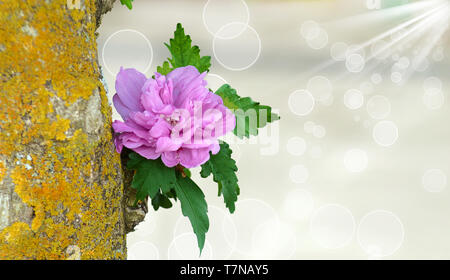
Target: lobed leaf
150,177
223,168
183,54
250,115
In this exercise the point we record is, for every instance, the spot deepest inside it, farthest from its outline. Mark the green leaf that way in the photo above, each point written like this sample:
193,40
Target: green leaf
187,172
172,194
161,200
193,206
223,168
164,69
150,176
127,3
183,54
250,115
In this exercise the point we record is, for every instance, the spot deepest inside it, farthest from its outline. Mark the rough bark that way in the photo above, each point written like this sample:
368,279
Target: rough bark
61,190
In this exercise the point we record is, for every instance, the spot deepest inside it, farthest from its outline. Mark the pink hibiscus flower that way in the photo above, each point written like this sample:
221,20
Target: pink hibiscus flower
174,117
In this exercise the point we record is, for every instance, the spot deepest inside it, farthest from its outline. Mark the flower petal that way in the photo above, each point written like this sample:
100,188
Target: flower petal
170,159
131,141
144,119
118,143
166,144
188,84
147,152
215,148
123,110
192,158
129,84
160,128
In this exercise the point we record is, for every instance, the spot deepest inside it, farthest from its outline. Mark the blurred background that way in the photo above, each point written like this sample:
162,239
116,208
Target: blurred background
357,166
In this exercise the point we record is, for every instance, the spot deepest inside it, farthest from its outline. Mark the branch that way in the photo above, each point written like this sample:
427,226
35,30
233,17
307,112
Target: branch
133,213
103,6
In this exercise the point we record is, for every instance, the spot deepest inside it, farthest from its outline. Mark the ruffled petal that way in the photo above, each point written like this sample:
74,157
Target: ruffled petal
190,158
166,144
170,159
144,119
160,129
157,95
147,152
150,98
129,126
188,84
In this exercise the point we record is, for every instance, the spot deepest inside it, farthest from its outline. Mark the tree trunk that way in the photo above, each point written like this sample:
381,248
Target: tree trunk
61,190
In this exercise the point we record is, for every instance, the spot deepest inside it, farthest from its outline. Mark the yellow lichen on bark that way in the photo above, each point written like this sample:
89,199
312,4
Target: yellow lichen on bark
2,170
66,173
